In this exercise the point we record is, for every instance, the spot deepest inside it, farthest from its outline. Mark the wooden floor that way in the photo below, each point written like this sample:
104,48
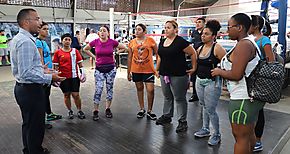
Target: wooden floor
124,134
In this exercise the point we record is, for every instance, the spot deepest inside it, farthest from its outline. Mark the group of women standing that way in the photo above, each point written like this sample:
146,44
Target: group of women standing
174,74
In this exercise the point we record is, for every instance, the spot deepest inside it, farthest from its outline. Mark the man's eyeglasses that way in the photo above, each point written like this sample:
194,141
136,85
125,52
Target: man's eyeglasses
233,26
37,19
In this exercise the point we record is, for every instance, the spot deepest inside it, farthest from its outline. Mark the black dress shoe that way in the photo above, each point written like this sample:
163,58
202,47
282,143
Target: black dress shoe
193,98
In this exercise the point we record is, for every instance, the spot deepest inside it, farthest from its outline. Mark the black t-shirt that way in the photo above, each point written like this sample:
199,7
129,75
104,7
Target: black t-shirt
173,60
196,39
75,43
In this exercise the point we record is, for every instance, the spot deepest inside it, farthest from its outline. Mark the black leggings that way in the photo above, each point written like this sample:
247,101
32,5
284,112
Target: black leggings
259,128
193,80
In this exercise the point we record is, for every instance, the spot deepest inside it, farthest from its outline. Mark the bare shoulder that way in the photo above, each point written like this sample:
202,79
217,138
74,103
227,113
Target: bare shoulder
218,46
244,48
245,43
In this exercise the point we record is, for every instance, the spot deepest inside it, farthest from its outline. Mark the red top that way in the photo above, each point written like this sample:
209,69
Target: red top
67,62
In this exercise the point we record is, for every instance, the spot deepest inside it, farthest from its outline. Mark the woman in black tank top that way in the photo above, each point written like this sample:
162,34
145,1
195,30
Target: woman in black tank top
208,88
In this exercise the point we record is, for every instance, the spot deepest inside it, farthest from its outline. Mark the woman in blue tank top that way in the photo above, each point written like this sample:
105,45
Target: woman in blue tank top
264,44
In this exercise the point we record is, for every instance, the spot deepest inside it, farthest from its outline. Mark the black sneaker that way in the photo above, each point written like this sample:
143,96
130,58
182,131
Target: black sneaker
182,126
70,114
151,116
109,113
141,113
81,115
193,98
53,116
96,115
163,120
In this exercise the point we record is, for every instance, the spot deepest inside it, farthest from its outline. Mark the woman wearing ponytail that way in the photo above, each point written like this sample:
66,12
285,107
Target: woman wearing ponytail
264,43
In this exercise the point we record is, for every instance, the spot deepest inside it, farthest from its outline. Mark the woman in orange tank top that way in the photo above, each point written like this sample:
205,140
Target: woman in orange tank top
141,68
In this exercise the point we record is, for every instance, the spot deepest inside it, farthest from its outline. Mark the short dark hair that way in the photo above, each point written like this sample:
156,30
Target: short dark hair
22,14
66,35
242,19
142,26
77,32
201,18
1,30
43,24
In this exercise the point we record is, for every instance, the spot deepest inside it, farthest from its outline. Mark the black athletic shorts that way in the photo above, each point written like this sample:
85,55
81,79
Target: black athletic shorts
70,85
143,77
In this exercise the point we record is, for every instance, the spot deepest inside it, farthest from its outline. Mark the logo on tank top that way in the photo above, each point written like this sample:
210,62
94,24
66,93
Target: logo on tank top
142,57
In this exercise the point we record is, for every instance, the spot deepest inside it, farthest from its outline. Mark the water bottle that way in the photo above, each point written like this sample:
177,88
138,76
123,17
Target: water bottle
166,79
217,79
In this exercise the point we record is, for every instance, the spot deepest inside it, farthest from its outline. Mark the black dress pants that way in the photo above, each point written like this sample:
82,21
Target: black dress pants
31,100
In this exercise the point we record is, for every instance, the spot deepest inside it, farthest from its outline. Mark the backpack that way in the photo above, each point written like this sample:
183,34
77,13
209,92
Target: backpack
265,81
278,58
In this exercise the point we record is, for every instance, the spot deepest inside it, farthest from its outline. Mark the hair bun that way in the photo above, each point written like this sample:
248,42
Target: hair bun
214,25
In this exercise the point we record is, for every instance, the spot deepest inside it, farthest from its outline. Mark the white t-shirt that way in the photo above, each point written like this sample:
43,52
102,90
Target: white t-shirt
238,89
91,37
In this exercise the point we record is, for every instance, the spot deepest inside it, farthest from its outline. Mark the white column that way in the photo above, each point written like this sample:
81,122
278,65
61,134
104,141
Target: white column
74,16
138,9
112,23
130,21
177,16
